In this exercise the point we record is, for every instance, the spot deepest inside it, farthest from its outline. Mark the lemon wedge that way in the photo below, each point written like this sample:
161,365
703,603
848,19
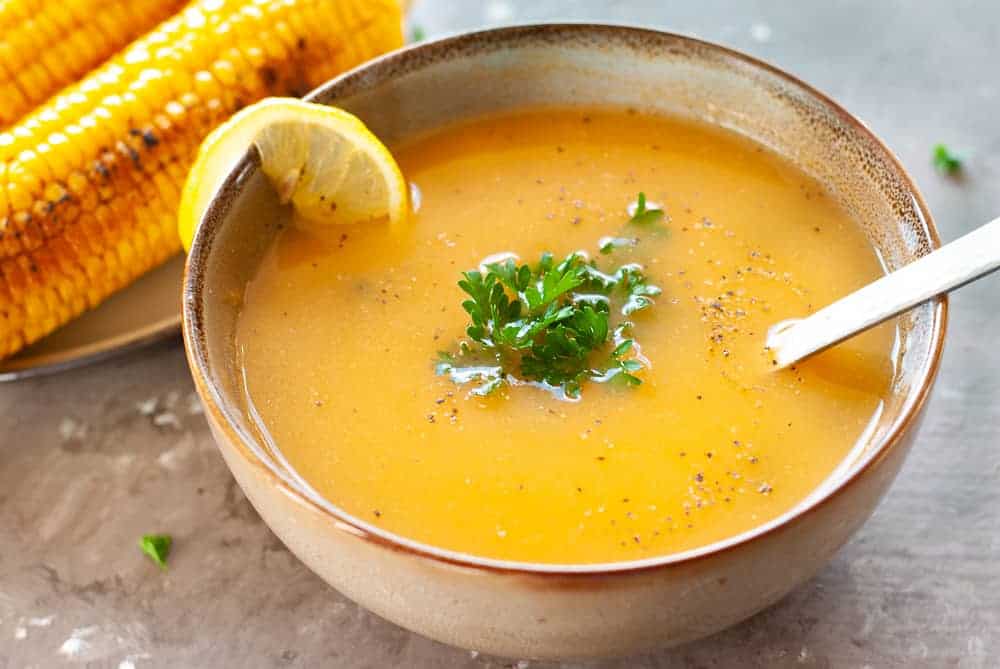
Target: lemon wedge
322,160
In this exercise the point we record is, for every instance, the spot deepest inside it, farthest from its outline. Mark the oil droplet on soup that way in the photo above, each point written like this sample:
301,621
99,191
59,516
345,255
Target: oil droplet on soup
338,335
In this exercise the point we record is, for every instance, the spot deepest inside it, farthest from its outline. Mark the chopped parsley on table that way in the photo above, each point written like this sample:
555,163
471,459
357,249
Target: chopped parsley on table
946,160
157,547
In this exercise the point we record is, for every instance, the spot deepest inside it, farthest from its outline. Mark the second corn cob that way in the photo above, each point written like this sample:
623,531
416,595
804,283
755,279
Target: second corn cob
90,180
46,45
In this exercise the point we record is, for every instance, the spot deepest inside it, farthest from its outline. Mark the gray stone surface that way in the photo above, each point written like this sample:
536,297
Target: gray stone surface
90,460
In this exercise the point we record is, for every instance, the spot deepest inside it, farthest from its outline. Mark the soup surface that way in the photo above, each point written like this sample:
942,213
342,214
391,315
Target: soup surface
340,330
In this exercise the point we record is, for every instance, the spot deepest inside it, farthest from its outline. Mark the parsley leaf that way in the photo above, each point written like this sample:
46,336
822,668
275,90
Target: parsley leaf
609,244
623,367
945,160
546,324
157,547
645,214
639,292
417,34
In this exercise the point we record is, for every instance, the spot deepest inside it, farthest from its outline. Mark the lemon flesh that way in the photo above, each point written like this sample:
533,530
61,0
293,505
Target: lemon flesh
321,160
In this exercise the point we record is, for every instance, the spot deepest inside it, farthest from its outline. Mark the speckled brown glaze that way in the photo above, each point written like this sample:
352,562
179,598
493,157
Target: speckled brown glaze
543,610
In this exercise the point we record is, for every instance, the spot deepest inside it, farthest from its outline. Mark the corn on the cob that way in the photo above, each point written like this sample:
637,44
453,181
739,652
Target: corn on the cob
45,45
91,180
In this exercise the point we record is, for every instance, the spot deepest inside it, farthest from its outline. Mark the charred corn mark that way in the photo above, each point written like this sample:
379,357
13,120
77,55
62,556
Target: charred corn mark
90,181
46,45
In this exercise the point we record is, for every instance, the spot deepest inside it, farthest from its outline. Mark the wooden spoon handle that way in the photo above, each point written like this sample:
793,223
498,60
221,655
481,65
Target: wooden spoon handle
951,266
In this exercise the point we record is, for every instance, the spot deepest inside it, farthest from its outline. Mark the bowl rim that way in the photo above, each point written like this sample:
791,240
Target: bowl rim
220,411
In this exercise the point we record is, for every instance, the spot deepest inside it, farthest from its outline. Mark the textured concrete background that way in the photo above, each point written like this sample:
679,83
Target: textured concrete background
90,460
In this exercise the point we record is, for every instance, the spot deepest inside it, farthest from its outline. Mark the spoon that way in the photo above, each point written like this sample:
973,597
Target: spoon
952,266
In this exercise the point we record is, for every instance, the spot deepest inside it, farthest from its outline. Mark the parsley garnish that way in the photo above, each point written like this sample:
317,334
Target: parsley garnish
157,547
547,324
946,161
645,214
609,244
417,34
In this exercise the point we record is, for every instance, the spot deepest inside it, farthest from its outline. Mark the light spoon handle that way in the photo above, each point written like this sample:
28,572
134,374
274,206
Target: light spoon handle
966,259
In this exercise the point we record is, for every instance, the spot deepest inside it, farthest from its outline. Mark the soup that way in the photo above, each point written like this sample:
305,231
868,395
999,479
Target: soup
340,331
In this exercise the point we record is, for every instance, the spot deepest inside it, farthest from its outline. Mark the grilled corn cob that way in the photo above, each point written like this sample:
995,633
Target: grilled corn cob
91,180
45,45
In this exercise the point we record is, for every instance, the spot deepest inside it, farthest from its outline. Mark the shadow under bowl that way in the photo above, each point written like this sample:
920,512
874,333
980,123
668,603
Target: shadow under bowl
561,611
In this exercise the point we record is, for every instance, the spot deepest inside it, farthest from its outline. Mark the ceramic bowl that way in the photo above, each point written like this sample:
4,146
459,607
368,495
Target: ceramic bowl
530,610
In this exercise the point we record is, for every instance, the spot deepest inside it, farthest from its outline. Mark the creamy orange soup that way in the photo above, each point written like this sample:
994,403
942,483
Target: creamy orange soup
340,330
